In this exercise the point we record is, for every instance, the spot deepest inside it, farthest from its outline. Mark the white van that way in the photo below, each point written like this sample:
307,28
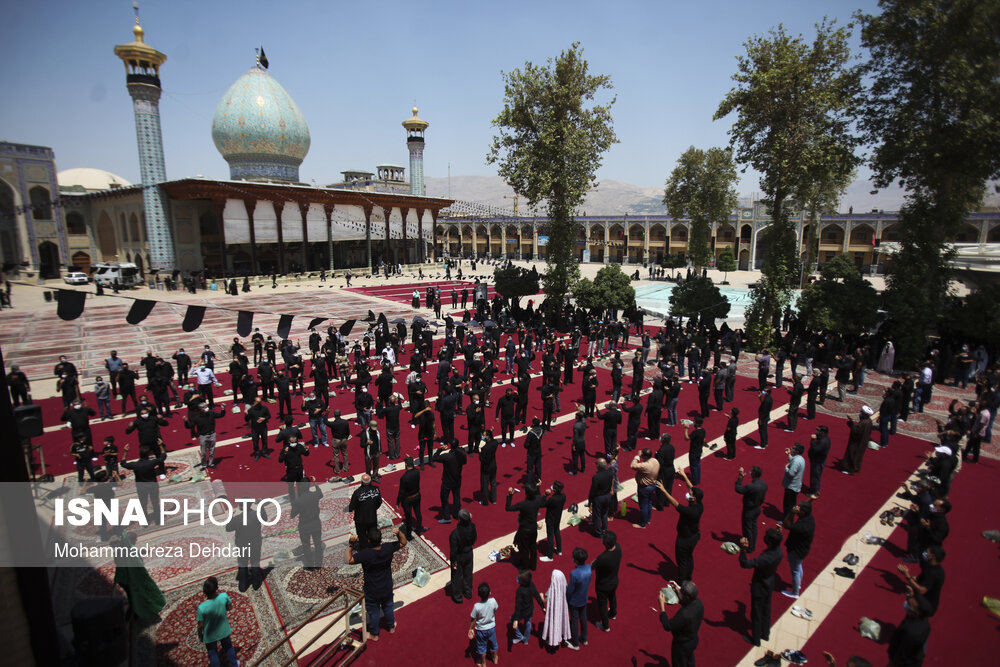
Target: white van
125,273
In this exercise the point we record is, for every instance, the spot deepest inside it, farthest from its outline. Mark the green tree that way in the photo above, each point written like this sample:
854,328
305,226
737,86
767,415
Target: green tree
726,263
513,282
794,104
976,318
933,116
841,301
673,262
698,297
701,187
549,143
611,288
819,195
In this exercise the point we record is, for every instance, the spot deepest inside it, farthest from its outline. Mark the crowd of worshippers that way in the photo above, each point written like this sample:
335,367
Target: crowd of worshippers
682,353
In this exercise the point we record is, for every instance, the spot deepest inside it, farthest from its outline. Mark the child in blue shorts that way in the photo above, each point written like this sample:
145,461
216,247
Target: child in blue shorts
482,628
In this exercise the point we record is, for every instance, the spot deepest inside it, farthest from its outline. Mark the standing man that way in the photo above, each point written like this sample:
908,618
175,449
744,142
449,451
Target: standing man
819,449
554,501
533,451
576,598
408,499
647,470
113,364
601,498
753,500
205,379
340,433
684,625
376,565
365,503
634,412
526,537
146,485
203,423
798,542
605,569
578,449
794,400
792,481
461,543
857,441
20,388
697,440
371,449
688,526
314,408
452,461
729,436
763,417
306,507
291,455
488,470
506,409
762,583
257,417
612,418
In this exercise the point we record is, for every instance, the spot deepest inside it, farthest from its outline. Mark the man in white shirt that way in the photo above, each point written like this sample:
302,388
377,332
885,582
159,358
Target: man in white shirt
205,379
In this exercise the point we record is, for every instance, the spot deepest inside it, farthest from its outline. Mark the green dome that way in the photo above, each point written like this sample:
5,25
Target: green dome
259,130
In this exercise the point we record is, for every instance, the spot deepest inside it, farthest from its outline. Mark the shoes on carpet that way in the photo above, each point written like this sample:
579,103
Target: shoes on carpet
572,647
794,657
545,559
788,593
845,572
851,559
802,612
769,659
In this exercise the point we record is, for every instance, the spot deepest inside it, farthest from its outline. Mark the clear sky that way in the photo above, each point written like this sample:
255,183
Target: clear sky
356,68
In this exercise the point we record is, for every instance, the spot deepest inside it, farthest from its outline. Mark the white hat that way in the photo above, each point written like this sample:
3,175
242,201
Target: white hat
943,449
867,410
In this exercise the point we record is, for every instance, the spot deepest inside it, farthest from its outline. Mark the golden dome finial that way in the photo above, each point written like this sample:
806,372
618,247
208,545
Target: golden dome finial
414,111
137,30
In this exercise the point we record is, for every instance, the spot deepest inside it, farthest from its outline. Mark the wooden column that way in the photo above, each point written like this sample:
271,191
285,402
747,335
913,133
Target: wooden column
219,206
434,227
328,210
250,205
304,212
421,250
278,207
404,212
385,251
368,234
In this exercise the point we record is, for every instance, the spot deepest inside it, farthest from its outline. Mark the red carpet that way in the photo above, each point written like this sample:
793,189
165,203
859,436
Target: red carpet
636,635
962,631
403,292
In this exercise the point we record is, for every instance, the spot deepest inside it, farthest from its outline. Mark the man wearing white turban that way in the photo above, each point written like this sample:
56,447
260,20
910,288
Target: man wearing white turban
857,441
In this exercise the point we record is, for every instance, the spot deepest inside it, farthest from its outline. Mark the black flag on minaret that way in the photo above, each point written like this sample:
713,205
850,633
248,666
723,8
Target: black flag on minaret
263,58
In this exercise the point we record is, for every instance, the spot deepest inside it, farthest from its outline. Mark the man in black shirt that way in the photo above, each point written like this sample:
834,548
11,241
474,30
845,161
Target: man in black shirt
476,422
526,537
601,498
554,500
578,448
306,507
408,499
506,409
461,542
146,486
729,436
930,581
371,448
798,542
203,423
612,418
291,455
819,448
762,583
340,433
488,470
685,623
257,417
390,413
906,647
365,503
794,401
533,451
78,416
696,439
248,538
688,526
665,456
376,563
82,452
634,412
605,569
753,500
763,417
452,460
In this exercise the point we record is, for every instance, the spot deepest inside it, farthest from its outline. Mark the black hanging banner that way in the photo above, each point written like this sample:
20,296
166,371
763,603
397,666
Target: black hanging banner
193,318
140,310
285,325
345,328
244,323
316,321
71,303
371,317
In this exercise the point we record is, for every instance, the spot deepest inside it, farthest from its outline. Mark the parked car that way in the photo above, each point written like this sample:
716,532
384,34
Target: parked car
76,278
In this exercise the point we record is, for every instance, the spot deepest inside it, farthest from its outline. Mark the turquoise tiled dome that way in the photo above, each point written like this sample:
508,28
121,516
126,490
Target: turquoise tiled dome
259,129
